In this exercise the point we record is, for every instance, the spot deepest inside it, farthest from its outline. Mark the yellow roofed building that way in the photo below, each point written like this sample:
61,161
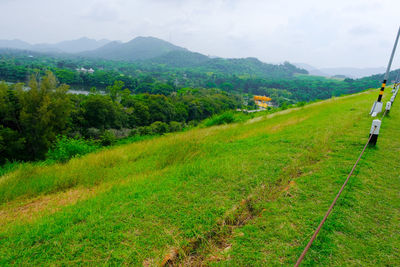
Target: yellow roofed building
262,101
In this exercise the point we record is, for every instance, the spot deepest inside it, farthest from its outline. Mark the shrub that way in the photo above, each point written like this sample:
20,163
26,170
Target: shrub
224,118
144,130
93,133
193,123
159,127
66,148
120,133
9,167
134,132
175,126
108,138
301,104
284,106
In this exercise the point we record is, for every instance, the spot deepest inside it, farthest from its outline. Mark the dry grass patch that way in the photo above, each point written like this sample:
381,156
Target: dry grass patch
27,211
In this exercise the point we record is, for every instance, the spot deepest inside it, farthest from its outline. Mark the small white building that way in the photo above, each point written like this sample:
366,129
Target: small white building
82,69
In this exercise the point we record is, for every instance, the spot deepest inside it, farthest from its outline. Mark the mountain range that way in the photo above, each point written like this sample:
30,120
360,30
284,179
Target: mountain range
70,46
159,51
136,49
345,71
139,48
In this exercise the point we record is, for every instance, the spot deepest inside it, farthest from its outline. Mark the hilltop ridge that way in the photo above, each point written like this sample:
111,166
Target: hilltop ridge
135,49
69,46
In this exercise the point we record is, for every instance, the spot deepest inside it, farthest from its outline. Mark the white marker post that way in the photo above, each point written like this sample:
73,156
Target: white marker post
376,125
388,106
376,108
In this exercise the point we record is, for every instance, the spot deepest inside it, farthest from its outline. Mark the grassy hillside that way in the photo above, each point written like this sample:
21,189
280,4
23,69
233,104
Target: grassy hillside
243,194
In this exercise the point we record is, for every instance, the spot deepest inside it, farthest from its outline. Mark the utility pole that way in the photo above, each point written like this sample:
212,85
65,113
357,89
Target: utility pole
377,106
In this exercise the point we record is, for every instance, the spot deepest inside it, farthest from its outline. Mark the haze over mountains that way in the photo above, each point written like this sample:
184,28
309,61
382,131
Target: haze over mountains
70,46
157,51
348,72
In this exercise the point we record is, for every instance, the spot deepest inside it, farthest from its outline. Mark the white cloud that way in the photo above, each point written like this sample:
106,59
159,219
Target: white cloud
355,33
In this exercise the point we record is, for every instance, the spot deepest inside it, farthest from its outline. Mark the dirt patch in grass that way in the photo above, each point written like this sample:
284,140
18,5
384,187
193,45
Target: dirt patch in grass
26,211
256,119
290,185
214,245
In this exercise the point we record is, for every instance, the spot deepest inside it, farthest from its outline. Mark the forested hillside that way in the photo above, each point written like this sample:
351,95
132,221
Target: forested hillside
180,69
31,120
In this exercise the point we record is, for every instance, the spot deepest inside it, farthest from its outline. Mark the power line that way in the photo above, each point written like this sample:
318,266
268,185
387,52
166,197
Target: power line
333,204
375,128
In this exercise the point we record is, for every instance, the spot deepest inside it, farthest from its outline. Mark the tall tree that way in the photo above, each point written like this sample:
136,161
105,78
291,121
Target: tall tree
44,114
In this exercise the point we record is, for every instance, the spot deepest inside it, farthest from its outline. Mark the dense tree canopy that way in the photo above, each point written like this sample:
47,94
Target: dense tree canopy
31,118
157,76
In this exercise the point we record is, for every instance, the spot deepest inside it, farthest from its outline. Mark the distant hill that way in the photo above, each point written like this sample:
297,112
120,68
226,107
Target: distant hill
311,70
180,58
252,66
354,73
136,49
150,51
15,44
80,45
71,46
238,66
393,76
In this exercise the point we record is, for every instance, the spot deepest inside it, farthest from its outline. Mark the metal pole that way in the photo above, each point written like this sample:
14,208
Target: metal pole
388,67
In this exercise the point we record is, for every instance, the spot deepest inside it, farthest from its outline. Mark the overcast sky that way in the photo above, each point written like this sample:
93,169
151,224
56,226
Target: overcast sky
340,33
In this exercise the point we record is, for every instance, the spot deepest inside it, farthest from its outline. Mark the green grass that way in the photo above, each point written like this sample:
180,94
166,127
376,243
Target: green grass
228,117
9,167
216,193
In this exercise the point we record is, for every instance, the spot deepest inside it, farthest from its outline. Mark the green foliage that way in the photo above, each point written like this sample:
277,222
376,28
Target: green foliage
108,138
9,166
180,69
300,104
224,118
66,148
115,90
284,106
134,132
145,130
134,138
12,144
138,95
175,126
100,112
159,127
30,120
